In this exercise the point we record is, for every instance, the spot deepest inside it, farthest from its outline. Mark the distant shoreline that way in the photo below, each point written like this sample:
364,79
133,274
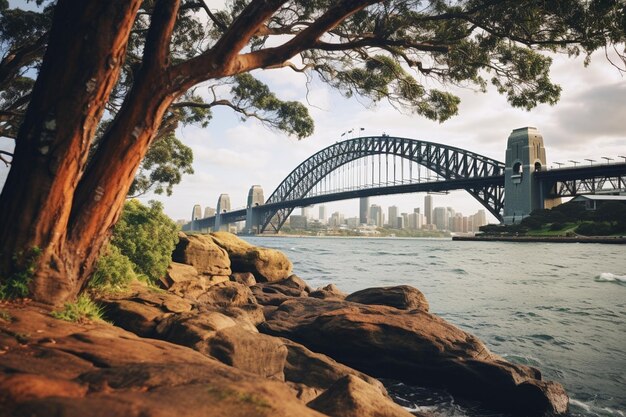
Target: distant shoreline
618,240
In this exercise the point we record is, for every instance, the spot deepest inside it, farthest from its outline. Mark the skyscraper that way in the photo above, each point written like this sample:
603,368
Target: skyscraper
428,208
322,214
392,212
364,210
440,217
376,213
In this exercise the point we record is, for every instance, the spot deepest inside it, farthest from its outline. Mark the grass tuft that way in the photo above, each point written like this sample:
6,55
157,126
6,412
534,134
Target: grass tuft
80,311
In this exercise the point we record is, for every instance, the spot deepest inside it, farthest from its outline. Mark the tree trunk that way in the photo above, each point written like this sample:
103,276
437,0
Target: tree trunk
81,65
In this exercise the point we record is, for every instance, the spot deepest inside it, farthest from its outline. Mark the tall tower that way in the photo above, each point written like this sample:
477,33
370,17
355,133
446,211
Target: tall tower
322,214
393,217
255,199
428,208
364,210
223,206
196,213
525,155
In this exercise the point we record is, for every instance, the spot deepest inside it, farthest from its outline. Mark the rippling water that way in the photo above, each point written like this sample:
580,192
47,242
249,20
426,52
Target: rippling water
559,307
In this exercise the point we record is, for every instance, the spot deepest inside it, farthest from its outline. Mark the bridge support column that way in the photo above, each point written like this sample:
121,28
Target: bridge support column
523,193
253,218
223,206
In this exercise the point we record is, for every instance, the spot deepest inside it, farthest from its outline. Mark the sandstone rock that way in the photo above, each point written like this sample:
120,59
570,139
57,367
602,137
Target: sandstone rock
177,272
133,316
193,289
114,373
190,329
329,292
266,264
227,294
201,252
274,293
352,397
253,352
414,347
140,310
318,371
245,278
403,297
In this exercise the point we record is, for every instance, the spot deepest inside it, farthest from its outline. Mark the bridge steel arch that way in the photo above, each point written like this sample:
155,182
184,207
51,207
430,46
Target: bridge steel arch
446,161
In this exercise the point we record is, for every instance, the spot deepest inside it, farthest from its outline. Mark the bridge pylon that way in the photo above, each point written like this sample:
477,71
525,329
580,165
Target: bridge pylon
253,214
223,206
523,192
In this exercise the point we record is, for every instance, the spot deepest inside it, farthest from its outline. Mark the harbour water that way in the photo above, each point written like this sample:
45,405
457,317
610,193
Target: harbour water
559,307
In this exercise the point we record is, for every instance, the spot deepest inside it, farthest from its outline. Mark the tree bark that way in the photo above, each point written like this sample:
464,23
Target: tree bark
86,49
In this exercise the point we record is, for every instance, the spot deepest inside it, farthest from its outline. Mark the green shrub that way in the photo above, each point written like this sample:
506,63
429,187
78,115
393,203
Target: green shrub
147,237
114,271
84,309
594,229
16,285
557,226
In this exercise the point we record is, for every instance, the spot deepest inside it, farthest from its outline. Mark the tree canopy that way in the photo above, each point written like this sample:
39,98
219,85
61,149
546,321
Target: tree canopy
115,79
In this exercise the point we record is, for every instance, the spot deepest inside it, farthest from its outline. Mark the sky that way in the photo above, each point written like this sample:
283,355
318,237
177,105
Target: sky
231,155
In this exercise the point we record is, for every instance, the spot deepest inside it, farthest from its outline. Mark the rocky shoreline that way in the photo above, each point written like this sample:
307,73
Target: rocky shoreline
234,333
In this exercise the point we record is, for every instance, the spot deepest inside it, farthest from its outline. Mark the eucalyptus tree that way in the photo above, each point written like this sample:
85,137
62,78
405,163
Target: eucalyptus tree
65,190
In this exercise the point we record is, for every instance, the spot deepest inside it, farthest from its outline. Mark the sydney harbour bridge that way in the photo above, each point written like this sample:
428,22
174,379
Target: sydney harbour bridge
384,165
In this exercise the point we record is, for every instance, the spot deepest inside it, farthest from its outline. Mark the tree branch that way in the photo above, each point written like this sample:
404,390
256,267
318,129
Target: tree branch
20,57
157,48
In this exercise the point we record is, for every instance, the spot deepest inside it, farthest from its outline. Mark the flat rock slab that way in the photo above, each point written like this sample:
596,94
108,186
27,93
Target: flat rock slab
53,368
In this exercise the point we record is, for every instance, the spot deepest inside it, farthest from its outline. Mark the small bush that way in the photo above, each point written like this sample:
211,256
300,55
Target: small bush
16,285
84,309
594,229
146,236
114,271
557,226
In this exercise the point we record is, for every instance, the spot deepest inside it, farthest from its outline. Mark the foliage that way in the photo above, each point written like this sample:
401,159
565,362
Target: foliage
594,229
608,219
114,271
16,285
147,237
82,310
163,167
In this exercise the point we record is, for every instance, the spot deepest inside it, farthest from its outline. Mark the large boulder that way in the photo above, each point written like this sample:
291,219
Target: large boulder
352,397
201,252
253,352
266,264
403,297
415,347
95,369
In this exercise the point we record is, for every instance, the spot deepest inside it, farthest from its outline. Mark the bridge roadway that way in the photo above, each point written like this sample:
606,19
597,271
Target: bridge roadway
548,178
432,186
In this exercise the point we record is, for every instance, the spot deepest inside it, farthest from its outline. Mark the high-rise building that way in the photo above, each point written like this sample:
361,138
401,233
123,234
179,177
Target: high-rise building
392,212
322,214
336,219
441,218
209,211
364,210
428,209
376,214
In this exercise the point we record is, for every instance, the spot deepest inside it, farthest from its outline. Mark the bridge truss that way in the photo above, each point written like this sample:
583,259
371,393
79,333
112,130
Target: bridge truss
364,163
